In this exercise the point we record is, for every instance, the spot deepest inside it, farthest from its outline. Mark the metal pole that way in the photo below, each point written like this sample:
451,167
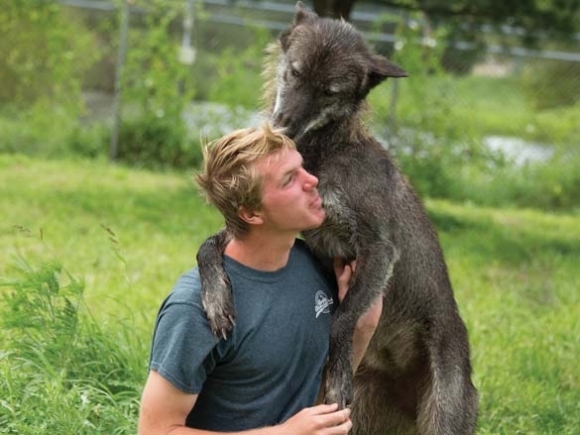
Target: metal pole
187,49
123,38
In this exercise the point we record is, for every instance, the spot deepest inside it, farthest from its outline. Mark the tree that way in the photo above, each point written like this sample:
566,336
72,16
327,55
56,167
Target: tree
39,59
334,8
529,19
527,22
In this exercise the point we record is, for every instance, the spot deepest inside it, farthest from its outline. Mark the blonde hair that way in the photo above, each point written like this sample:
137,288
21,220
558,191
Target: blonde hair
228,179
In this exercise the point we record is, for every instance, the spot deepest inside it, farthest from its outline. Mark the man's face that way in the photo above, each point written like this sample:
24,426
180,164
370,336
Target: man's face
290,200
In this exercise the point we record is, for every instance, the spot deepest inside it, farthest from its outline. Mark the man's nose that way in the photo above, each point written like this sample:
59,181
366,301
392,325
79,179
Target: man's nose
311,181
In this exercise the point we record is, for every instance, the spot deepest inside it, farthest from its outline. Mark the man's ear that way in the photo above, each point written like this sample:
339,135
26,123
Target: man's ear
251,217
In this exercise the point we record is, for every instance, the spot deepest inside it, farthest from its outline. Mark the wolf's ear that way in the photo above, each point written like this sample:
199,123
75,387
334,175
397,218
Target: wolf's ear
303,14
380,68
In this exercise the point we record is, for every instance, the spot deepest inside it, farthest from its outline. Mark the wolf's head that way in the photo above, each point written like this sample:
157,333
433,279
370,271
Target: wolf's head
324,73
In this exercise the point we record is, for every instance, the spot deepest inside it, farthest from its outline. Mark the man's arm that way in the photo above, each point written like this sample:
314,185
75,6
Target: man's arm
367,324
164,409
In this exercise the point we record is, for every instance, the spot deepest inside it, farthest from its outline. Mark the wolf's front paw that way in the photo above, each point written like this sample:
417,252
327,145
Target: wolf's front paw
219,309
221,319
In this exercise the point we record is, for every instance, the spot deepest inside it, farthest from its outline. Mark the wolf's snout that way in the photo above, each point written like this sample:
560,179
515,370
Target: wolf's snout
279,120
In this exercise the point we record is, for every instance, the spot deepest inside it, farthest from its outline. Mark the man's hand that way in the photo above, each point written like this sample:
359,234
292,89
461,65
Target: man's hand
164,410
344,272
318,420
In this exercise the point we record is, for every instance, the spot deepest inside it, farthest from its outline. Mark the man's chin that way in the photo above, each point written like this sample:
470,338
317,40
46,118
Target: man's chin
316,224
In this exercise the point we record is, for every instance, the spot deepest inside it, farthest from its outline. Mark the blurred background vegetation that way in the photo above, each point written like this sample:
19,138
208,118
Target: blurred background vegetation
490,113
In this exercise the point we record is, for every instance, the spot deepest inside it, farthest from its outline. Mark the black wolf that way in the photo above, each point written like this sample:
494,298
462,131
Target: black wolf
416,375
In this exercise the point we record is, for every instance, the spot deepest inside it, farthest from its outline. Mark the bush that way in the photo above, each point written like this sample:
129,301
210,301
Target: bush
157,142
546,186
237,79
39,58
549,84
41,129
89,141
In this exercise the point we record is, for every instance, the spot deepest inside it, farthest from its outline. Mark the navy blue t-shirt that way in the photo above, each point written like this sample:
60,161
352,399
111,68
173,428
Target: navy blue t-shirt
270,366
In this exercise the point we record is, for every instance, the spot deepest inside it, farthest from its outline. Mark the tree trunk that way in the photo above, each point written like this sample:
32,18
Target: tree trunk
334,8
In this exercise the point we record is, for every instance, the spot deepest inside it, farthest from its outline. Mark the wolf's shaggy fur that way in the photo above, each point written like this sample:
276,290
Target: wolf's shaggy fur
415,377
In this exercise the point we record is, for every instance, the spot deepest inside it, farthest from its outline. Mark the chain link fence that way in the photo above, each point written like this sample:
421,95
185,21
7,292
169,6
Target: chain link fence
533,81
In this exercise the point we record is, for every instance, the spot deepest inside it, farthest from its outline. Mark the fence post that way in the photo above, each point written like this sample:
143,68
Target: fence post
122,53
392,114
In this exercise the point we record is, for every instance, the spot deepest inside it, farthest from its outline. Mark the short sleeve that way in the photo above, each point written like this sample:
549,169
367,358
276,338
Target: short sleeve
183,345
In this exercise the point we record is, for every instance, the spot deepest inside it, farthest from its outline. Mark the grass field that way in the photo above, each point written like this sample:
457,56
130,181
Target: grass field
125,235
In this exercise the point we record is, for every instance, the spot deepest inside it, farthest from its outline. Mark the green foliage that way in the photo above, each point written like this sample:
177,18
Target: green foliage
534,18
157,135
154,78
550,84
154,142
39,58
459,62
157,87
546,186
45,52
236,78
42,129
88,141
59,355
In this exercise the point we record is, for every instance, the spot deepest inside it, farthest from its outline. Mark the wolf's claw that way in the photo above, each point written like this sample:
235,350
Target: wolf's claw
225,328
220,324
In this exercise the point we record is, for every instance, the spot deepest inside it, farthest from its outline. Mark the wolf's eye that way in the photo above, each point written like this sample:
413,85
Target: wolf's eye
330,92
295,72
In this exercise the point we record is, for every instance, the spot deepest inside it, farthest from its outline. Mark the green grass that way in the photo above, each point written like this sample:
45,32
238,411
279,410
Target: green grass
515,277
87,252
113,223
122,237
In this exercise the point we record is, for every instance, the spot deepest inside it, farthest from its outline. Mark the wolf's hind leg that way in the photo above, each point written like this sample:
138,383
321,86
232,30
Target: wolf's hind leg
449,405
216,294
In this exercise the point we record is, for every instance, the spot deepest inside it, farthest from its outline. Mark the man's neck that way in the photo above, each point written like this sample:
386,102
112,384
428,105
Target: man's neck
261,252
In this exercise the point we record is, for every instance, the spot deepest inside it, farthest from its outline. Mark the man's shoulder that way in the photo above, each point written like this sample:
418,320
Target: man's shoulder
305,258
187,288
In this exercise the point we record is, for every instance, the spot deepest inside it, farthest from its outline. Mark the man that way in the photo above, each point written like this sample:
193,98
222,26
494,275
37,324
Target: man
264,378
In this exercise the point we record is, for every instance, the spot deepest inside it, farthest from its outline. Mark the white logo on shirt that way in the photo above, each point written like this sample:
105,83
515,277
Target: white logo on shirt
322,303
